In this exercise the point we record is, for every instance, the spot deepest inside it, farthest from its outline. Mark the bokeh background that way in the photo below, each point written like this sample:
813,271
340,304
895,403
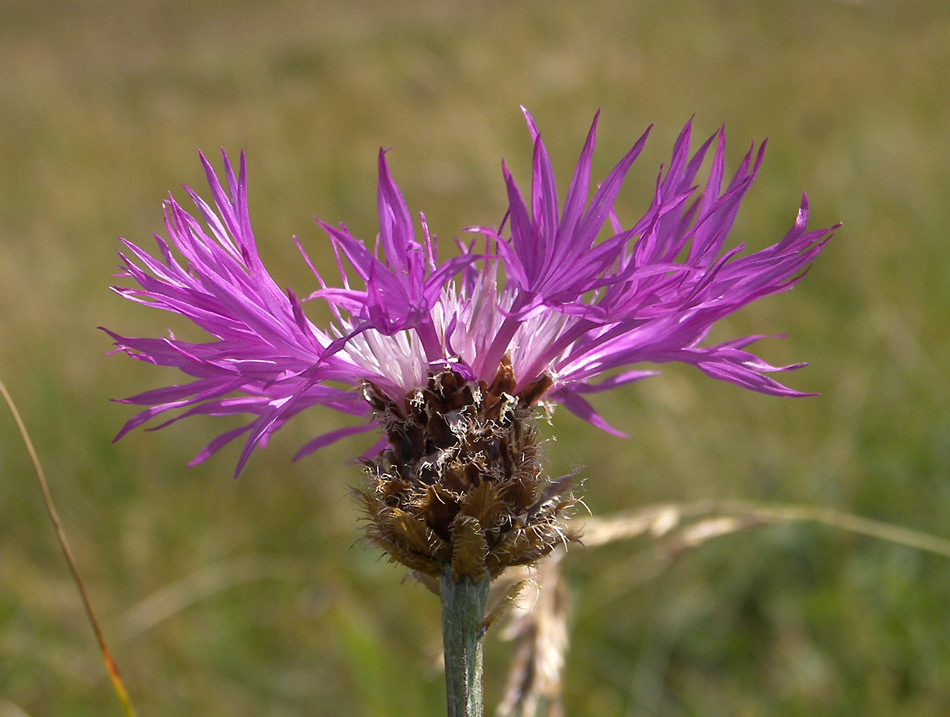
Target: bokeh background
253,597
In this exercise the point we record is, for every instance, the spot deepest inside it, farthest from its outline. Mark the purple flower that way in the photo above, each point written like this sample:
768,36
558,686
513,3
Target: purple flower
563,298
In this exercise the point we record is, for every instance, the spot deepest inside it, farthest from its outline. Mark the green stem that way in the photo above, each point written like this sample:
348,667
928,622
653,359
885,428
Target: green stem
463,613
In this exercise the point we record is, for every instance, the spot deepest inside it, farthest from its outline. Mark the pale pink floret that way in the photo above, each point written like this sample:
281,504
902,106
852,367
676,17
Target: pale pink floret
583,305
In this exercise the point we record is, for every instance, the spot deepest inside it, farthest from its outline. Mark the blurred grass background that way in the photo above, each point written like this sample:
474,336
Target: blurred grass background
103,105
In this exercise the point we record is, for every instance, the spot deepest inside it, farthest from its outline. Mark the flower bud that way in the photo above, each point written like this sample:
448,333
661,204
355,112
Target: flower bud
460,484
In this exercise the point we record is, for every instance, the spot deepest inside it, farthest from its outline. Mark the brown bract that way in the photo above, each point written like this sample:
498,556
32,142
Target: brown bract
460,484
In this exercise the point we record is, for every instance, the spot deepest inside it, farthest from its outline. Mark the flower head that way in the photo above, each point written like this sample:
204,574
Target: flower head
561,301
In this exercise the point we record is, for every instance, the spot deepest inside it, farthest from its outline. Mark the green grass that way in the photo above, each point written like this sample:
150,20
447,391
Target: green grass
103,106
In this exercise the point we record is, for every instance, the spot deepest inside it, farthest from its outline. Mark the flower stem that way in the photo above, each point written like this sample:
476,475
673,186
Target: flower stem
463,612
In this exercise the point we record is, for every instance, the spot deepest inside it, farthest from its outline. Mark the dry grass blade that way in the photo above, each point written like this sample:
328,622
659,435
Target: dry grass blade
692,524
702,531
897,534
540,629
657,520
8,709
111,667
538,626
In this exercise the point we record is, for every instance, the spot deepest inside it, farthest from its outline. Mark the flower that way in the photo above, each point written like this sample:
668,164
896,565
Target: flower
450,357
572,308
